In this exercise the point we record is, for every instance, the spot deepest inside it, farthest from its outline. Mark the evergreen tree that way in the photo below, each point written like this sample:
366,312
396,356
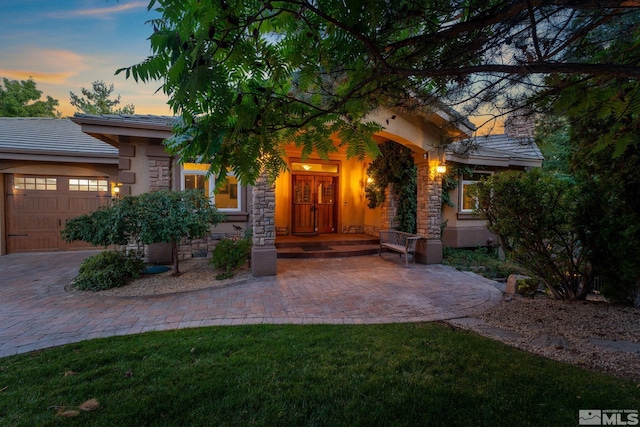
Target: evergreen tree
98,100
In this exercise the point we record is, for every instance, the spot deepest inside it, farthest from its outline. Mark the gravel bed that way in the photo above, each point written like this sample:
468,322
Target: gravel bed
196,274
592,334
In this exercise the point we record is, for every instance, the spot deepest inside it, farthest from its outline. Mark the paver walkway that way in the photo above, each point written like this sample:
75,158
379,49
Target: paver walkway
36,312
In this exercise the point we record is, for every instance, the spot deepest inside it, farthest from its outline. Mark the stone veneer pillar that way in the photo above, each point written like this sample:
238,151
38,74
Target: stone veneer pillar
429,215
389,210
263,252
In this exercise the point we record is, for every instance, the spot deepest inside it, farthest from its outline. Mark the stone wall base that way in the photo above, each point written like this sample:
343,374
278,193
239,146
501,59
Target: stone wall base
429,251
264,261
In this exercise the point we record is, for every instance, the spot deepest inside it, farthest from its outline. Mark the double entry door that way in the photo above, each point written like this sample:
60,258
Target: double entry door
314,204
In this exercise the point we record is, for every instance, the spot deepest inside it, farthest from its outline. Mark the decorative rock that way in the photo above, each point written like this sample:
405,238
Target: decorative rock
512,283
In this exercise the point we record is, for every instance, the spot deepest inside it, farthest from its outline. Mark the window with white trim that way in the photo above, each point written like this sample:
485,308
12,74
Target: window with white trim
228,198
469,203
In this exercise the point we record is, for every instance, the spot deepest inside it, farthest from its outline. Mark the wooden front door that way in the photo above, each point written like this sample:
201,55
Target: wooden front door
314,204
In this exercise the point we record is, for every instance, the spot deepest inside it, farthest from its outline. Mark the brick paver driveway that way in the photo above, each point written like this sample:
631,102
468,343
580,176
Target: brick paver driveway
36,312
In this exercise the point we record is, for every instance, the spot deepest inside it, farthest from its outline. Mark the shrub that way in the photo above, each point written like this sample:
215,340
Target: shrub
481,261
229,255
108,269
532,213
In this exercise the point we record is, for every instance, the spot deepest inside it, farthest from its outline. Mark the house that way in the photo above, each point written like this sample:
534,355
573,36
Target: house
55,169
314,196
50,171
483,156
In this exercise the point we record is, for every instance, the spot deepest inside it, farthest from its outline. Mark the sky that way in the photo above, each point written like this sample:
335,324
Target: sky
66,45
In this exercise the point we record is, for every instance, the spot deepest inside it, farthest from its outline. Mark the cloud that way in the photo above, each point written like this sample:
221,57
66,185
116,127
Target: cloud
53,66
100,12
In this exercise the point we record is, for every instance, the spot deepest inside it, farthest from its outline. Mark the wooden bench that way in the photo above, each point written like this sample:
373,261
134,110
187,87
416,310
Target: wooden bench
399,241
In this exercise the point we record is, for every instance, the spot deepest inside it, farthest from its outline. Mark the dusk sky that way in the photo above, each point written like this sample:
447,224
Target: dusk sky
68,44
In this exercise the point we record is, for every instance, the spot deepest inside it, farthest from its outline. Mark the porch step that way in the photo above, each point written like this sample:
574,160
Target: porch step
327,246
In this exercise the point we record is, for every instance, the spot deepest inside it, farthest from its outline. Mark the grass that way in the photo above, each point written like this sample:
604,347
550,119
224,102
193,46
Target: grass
480,261
316,375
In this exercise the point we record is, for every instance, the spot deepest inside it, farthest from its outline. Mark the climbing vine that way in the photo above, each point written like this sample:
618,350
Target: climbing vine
394,166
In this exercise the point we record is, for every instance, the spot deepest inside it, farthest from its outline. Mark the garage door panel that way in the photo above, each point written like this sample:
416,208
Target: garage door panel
86,204
33,223
33,203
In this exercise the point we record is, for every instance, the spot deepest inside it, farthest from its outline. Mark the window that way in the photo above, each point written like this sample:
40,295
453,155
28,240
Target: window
88,184
194,176
34,183
467,202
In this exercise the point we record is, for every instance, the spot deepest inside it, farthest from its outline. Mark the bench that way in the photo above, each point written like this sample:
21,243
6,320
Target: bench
399,241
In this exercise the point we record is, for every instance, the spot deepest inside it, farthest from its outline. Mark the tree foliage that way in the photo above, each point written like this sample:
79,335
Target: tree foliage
22,99
168,216
249,76
156,217
98,100
532,214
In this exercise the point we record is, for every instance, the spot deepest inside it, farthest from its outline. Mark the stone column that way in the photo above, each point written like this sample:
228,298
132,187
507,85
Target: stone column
429,214
263,251
389,209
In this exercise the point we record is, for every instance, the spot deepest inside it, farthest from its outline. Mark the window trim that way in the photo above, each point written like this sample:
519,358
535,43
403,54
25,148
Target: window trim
211,180
464,182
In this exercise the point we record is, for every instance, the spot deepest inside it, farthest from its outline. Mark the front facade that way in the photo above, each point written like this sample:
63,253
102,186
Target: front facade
49,172
316,196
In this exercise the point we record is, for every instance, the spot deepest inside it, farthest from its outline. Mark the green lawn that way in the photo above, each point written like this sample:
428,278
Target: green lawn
402,374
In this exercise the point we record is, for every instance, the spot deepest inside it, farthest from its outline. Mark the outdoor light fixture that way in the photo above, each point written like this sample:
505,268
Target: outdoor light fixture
306,167
441,168
115,189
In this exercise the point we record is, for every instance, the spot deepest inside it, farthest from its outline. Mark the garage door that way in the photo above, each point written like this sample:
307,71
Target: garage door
37,208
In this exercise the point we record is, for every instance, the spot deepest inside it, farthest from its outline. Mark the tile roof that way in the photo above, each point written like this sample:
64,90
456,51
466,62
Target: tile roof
497,148
134,120
51,136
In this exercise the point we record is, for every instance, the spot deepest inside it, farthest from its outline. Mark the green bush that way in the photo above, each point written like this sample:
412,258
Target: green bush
230,255
533,214
106,270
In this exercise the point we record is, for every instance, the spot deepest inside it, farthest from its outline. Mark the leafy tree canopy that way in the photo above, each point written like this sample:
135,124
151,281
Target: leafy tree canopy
22,99
98,100
247,75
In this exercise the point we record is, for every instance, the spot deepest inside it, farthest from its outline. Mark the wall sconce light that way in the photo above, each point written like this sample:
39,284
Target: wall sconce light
441,168
115,190
369,180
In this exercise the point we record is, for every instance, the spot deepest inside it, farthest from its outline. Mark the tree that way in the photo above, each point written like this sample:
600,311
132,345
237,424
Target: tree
601,150
157,217
168,216
97,100
249,76
532,214
22,99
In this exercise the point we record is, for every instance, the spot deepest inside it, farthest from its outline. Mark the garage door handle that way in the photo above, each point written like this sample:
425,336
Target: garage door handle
17,235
